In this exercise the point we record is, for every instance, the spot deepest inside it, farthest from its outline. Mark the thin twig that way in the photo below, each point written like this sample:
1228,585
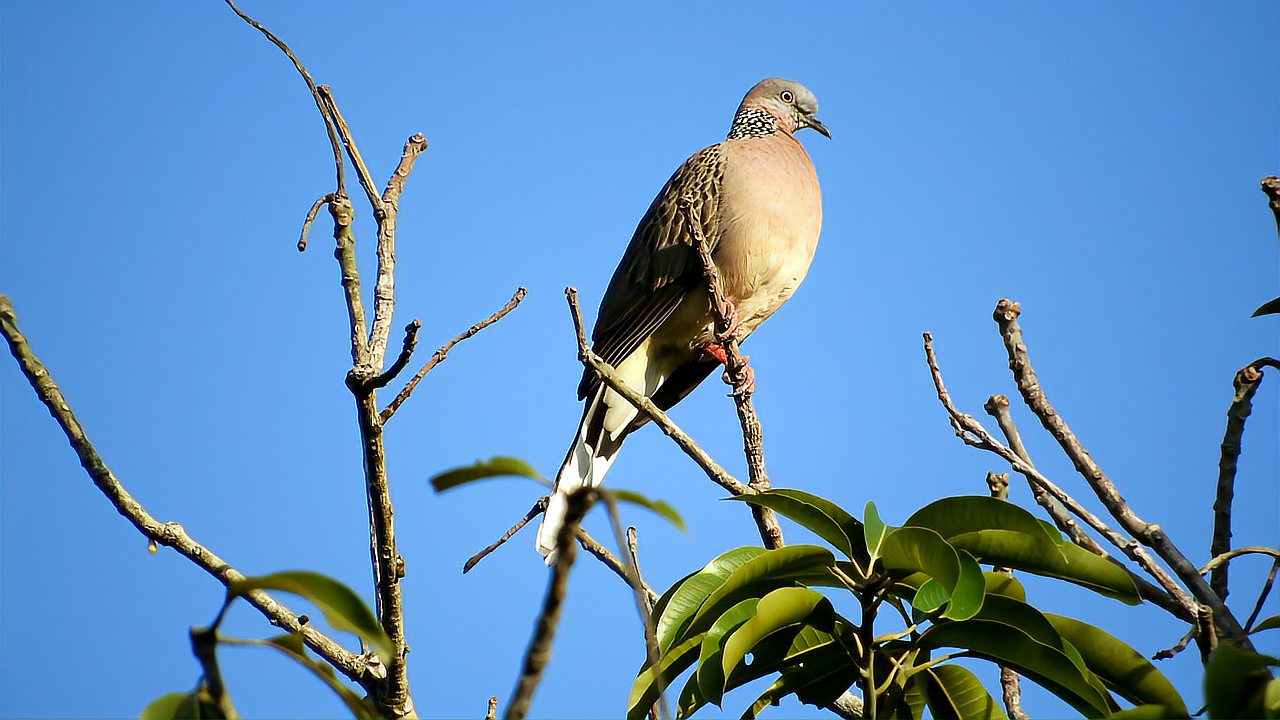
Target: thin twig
315,94
355,667
609,376
998,407
1245,383
612,562
443,352
1226,557
539,652
739,376
1178,647
972,433
311,217
349,142
1262,596
1149,534
638,587
538,508
406,353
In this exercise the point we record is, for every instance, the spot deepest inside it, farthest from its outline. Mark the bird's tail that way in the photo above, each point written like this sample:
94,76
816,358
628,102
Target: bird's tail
592,452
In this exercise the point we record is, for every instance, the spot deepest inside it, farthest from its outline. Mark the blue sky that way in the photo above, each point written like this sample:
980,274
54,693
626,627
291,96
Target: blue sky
1096,161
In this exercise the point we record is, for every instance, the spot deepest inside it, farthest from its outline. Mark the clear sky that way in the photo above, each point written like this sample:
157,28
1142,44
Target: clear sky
1096,161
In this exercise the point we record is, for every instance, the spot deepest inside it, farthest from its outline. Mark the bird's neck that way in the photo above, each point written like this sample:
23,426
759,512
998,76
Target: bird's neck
752,122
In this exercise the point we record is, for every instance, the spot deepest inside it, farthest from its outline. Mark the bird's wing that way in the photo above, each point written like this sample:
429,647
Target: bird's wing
659,266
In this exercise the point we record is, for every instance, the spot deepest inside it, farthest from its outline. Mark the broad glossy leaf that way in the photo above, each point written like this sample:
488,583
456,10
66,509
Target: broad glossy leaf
756,577
954,693
967,596
1044,664
1123,669
172,707
929,597
644,693
954,516
1141,712
1270,307
1235,681
823,517
661,507
1270,623
1004,584
814,683
779,609
483,470
914,698
873,531
1068,562
684,600
293,646
710,675
342,607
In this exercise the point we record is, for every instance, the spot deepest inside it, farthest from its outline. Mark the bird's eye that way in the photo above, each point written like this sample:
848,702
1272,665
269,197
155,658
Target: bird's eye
787,96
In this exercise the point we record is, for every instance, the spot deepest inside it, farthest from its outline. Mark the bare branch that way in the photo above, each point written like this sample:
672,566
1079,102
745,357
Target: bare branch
443,352
349,142
969,430
1011,691
643,601
315,95
739,376
998,407
355,667
539,652
1262,596
388,214
492,713
538,508
345,252
612,562
406,353
1230,555
609,376
311,217
1245,382
413,147
1149,534
1178,647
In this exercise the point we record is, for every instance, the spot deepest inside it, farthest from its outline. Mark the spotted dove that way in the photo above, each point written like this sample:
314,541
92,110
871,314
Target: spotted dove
756,195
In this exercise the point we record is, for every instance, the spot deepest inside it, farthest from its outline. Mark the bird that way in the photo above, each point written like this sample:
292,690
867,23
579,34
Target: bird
759,206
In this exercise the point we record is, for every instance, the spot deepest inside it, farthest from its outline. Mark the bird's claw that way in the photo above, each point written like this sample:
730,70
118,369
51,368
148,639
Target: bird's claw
731,317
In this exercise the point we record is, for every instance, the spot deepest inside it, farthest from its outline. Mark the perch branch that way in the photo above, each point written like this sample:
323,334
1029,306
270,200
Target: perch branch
443,352
972,433
539,652
609,376
356,667
738,375
1245,382
1149,534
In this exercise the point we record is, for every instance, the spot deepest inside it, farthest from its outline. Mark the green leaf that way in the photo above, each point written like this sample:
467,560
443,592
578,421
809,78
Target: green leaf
954,693
292,646
918,549
914,696
1123,669
965,514
710,676
756,577
684,599
781,608
1271,699
873,531
173,706
815,683
930,596
1007,548
823,517
1044,664
1235,682
484,469
644,693
1004,584
1271,307
342,607
1270,623
661,507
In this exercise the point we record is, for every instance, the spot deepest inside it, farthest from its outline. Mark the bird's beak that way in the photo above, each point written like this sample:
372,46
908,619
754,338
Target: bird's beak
816,124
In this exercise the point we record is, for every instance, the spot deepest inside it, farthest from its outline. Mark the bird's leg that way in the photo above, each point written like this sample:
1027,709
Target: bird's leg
748,384
731,317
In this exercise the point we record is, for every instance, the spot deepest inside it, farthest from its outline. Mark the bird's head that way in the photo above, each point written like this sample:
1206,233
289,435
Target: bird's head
790,103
